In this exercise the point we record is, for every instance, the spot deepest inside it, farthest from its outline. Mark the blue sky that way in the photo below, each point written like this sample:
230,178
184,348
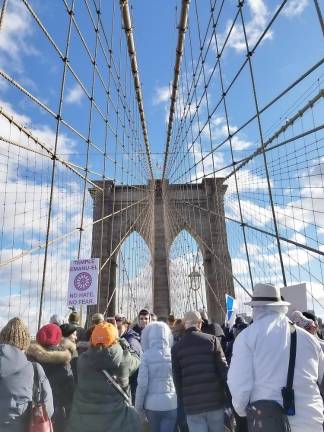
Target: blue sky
292,46
286,53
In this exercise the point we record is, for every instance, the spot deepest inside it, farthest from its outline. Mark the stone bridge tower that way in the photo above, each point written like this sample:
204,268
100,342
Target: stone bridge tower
186,201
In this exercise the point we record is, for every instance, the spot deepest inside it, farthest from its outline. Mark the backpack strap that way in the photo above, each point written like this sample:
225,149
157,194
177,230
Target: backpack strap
292,356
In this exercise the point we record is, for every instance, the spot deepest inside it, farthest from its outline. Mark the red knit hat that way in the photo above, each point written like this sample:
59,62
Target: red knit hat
49,335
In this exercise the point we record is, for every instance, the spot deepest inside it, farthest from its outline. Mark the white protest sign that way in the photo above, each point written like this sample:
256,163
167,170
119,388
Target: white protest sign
296,295
83,282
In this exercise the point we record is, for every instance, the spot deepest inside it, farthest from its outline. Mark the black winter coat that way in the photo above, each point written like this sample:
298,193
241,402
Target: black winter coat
56,364
199,371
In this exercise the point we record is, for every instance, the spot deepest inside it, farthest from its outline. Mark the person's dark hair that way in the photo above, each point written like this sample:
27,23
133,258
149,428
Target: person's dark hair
163,319
68,329
143,312
310,315
241,326
239,320
171,318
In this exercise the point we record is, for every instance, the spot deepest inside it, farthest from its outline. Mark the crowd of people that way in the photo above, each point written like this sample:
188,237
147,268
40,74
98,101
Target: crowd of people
166,375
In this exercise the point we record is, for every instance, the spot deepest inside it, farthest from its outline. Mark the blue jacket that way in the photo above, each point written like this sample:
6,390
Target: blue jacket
155,387
16,388
134,341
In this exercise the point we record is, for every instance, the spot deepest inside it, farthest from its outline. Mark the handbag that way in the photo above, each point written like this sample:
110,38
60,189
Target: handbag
39,420
269,415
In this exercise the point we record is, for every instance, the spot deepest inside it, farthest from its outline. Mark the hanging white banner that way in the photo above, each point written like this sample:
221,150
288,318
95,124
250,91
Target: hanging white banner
83,282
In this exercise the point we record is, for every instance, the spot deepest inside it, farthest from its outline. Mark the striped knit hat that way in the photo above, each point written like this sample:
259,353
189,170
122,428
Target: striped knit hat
15,333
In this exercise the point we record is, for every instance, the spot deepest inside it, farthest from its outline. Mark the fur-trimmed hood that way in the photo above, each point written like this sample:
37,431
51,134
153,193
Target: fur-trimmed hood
69,345
61,355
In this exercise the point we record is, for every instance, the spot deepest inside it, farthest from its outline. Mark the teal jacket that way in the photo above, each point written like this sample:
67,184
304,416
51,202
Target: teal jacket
97,406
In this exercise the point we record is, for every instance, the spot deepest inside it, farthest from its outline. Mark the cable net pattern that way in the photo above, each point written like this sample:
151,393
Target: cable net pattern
230,119
80,136
60,138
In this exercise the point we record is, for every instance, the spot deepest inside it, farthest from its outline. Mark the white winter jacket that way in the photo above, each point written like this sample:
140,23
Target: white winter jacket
259,369
155,387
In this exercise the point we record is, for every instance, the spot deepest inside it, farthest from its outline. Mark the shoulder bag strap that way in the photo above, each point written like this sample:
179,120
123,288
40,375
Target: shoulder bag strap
36,385
292,356
117,387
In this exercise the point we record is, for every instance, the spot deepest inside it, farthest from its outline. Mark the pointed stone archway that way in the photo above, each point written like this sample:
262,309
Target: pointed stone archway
186,201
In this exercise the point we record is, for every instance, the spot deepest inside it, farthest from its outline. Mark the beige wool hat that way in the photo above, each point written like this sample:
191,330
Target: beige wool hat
97,317
192,318
15,333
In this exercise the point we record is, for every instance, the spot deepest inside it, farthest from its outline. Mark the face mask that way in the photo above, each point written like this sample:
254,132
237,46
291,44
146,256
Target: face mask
259,312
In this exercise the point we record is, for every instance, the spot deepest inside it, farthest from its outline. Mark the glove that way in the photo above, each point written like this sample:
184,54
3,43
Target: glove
124,344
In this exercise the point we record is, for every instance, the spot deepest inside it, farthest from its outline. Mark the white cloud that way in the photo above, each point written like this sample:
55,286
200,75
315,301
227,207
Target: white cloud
137,290
23,119
253,249
74,95
43,133
265,262
257,22
295,7
298,237
250,181
185,107
181,265
308,209
206,164
25,281
25,182
219,132
15,36
162,95
259,16
253,213
239,143
295,215
240,266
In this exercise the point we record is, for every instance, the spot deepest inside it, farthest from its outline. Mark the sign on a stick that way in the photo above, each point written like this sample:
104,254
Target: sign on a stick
83,282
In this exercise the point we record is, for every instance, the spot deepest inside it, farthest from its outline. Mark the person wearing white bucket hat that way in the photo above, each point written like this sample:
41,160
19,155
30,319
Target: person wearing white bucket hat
266,295
259,364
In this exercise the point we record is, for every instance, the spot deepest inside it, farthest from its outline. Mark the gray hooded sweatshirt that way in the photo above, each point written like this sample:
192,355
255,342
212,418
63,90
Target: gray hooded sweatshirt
16,388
